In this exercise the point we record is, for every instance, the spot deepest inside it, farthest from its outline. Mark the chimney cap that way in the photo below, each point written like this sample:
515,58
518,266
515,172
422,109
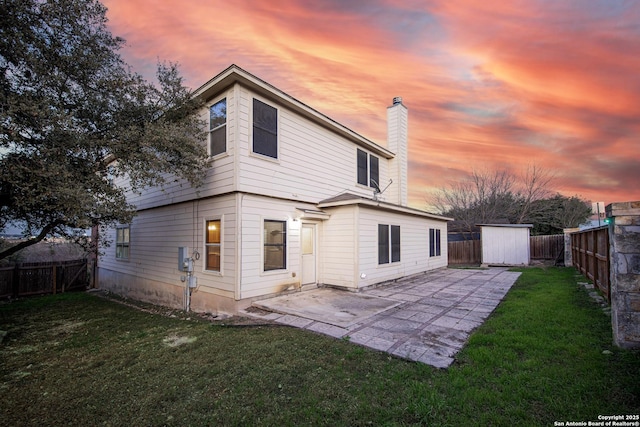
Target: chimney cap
397,100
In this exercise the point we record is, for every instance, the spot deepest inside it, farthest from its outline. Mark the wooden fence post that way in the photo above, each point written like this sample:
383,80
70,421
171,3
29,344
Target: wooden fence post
54,279
15,281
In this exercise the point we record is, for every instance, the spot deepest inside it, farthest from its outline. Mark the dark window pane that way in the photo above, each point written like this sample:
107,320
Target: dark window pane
395,243
383,244
218,141
362,167
265,116
373,170
265,129
265,143
438,246
432,242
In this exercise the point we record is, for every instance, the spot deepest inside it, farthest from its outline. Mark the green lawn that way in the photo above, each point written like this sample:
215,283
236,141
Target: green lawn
78,359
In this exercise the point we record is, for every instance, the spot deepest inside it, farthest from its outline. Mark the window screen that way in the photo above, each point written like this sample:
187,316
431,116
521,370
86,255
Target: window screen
373,171
395,243
275,245
122,242
434,242
265,129
362,167
218,127
383,244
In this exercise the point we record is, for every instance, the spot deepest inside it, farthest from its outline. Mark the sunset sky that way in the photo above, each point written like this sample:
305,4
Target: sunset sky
488,84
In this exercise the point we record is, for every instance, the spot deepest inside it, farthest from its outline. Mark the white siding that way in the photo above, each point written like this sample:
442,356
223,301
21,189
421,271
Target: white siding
255,210
350,246
220,178
505,245
156,235
244,189
338,251
414,246
313,163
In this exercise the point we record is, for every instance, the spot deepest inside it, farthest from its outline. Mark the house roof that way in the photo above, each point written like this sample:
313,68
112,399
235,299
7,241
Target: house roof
235,74
347,199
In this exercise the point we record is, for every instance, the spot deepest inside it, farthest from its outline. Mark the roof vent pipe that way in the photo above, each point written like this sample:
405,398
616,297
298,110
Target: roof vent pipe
397,100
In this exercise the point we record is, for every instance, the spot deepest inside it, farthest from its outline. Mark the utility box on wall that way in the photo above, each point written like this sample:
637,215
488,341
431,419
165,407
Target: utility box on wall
183,253
505,244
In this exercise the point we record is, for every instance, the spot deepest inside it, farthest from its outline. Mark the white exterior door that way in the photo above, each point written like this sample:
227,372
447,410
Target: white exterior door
308,241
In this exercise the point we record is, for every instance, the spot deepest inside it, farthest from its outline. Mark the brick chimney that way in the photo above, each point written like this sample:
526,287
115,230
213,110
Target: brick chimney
397,142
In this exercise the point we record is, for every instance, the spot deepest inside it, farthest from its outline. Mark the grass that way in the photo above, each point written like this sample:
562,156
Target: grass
78,359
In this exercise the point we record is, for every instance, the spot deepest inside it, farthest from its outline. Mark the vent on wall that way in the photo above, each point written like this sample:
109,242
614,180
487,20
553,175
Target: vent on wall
397,100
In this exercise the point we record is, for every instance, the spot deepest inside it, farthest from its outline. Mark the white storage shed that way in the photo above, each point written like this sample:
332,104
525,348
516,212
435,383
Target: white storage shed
505,244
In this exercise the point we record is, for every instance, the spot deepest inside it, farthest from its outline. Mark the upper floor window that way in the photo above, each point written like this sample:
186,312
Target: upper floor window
265,129
122,242
213,244
218,127
435,248
368,169
388,243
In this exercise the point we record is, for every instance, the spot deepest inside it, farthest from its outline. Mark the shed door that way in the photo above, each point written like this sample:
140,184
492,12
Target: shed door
308,254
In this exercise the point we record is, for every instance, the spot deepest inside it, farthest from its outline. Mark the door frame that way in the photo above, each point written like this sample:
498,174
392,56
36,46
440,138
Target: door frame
314,226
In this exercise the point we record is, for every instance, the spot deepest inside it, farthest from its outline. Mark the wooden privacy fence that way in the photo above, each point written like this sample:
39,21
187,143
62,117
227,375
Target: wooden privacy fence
546,247
590,253
467,252
42,278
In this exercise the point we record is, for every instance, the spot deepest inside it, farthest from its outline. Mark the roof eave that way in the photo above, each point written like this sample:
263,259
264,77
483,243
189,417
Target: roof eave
235,74
385,206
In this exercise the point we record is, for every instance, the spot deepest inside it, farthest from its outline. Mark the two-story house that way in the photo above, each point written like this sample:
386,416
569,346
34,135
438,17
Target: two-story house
291,200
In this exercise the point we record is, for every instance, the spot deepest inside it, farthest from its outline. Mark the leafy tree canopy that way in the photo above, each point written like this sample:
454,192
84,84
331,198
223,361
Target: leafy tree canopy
73,117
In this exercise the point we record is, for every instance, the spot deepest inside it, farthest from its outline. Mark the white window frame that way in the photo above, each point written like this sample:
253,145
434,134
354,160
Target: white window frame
368,165
221,245
435,242
226,128
120,245
389,248
286,247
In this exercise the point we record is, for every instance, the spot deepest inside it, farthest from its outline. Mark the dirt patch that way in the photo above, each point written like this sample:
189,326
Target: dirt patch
177,341
217,319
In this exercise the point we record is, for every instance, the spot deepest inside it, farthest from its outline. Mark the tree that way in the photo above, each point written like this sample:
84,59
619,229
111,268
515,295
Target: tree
552,215
74,116
498,196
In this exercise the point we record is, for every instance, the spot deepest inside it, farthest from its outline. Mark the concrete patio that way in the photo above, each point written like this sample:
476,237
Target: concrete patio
426,317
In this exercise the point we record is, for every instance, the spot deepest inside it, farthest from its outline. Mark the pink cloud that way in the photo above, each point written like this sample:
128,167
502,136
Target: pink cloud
492,84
